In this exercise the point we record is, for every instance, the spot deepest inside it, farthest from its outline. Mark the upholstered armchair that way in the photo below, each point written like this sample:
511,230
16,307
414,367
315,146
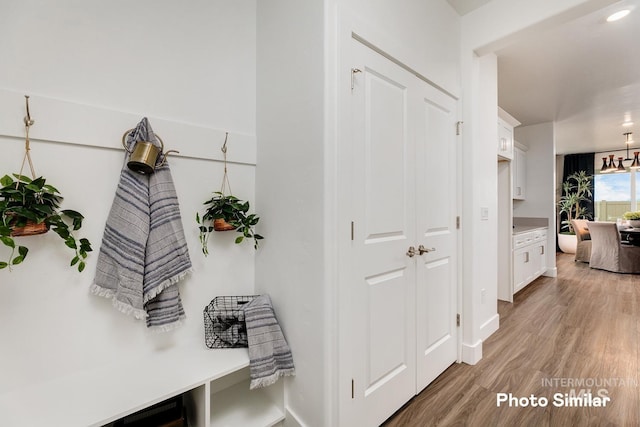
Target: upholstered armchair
608,253
583,249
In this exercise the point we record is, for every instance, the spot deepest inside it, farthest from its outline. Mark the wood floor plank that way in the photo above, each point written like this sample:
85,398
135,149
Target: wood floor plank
575,333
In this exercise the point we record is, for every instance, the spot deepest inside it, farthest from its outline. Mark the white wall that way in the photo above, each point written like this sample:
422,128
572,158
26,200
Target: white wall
194,64
186,68
541,178
290,194
480,190
485,193
422,34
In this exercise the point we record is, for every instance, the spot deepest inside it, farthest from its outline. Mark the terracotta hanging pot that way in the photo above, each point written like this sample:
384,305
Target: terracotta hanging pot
222,225
31,228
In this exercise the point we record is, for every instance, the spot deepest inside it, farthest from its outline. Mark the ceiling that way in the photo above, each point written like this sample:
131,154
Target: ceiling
583,75
465,6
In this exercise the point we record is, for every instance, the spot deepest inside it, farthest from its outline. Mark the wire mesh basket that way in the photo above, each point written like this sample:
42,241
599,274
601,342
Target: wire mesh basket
224,325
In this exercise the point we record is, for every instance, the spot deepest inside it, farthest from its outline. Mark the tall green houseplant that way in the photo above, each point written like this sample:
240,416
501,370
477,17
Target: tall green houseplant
576,191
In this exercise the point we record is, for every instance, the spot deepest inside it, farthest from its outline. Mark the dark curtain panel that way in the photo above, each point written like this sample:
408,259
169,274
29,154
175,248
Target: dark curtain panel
581,162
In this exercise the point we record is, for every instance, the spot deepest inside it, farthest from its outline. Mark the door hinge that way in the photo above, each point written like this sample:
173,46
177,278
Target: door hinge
458,125
354,71
352,230
458,222
458,319
353,388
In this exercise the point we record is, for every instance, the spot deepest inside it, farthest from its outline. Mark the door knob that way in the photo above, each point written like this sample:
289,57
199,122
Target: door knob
411,252
423,250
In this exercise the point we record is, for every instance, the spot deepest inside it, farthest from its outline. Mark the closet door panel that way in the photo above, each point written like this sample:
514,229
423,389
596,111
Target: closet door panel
383,293
436,225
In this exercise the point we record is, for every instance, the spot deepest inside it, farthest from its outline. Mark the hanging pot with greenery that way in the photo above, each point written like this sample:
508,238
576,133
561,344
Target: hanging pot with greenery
225,212
31,206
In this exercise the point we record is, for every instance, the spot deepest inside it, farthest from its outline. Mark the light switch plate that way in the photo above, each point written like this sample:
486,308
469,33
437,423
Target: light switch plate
484,213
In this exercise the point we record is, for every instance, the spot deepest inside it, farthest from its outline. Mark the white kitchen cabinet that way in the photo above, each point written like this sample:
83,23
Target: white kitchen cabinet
529,257
522,271
506,123
519,172
542,254
541,258
505,140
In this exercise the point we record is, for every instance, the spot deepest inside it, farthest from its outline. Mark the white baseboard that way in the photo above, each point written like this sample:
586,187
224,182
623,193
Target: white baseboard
552,272
472,354
489,327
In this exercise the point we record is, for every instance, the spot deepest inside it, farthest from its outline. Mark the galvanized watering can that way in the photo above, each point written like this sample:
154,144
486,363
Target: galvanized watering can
145,155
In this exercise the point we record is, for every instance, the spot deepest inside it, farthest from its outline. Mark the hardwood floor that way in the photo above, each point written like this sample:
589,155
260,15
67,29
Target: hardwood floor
579,327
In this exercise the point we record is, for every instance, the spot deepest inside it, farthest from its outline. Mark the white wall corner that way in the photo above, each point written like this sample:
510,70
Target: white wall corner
552,272
472,353
291,419
489,327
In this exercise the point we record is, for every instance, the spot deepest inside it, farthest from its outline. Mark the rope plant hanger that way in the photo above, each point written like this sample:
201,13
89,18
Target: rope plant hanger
220,224
225,177
30,206
225,212
28,122
31,228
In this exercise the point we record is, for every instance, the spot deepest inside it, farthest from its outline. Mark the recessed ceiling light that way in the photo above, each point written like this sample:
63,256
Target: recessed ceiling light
618,15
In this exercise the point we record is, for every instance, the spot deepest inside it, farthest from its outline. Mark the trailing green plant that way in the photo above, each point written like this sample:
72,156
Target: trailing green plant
232,210
575,191
25,200
632,215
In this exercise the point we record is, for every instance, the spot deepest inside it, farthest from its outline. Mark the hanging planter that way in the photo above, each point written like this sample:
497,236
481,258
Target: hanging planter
30,207
30,228
225,212
221,225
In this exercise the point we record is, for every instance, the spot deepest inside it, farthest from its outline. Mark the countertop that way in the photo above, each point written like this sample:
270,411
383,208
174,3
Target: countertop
519,229
526,224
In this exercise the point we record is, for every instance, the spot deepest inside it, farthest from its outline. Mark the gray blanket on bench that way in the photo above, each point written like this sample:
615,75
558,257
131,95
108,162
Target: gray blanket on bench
269,354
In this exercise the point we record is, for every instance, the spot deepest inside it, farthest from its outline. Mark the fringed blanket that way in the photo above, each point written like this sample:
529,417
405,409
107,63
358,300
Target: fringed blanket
144,252
269,354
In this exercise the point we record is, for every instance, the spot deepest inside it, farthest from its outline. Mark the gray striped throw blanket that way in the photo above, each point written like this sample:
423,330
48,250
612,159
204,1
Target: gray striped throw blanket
269,354
144,252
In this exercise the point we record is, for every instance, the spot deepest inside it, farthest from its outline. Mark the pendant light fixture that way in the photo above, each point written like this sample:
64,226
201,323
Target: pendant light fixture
611,165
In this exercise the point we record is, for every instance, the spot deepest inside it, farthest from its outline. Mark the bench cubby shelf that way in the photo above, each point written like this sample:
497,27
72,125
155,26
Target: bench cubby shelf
214,384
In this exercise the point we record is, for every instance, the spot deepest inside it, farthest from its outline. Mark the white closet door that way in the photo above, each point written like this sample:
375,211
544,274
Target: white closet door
436,299
383,297
401,323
